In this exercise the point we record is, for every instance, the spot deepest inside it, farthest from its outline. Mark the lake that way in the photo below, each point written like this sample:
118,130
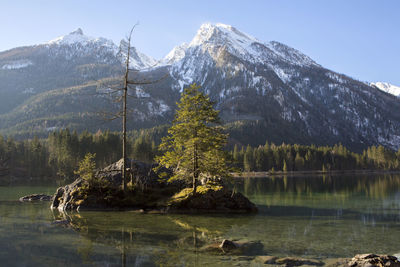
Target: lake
318,217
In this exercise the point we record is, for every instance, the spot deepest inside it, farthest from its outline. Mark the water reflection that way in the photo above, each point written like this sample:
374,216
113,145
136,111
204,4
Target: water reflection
373,186
314,217
150,239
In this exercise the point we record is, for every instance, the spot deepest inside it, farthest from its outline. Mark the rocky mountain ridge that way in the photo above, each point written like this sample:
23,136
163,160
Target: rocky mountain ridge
265,90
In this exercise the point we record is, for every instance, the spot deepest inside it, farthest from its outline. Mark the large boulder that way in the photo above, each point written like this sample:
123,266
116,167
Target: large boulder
210,198
67,197
140,174
147,191
105,191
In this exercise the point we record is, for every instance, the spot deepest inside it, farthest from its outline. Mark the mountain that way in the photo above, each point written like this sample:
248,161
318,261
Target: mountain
388,88
69,60
264,90
282,92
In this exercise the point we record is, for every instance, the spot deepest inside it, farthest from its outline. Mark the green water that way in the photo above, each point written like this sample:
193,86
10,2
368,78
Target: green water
314,217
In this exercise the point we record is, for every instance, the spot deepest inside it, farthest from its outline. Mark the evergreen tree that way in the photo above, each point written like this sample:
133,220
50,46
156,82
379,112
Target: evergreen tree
248,160
284,166
195,141
87,167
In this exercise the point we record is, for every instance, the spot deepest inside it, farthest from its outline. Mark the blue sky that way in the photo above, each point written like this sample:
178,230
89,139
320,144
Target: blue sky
360,38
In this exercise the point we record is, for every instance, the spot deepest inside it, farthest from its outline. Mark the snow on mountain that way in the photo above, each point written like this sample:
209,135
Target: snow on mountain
213,37
224,35
77,37
388,88
16,64
176,54
214,42
83,44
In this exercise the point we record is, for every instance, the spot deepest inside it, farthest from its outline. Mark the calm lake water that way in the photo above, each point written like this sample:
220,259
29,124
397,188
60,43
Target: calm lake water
315,217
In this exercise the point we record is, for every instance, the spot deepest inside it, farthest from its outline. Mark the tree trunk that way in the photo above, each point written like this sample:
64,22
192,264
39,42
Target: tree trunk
124,178
195,169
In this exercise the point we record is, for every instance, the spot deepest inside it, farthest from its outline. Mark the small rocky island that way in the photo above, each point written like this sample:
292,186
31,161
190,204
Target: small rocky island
147,192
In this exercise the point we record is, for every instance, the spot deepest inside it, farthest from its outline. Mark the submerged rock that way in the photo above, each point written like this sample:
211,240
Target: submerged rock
372,260
36,197
295,261
244,248
265,259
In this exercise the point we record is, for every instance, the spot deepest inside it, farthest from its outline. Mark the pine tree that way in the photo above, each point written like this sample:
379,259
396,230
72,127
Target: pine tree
195,141
248,159
87,167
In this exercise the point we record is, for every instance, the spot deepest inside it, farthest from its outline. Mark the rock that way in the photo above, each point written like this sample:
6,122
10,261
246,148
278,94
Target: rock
64,198
60,222
142,174
209,199
36,197
372,260
146,191
294,261
265,259
228,245
243,248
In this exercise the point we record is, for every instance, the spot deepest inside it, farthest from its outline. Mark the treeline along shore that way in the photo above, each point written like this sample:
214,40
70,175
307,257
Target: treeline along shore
58,155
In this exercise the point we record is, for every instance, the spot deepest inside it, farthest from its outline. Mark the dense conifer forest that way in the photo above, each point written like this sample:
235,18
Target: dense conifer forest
58,155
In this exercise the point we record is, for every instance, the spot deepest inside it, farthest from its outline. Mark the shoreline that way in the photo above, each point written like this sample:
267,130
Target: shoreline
311,173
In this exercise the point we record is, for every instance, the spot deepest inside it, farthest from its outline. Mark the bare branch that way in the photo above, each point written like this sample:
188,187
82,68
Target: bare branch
109,116
144,82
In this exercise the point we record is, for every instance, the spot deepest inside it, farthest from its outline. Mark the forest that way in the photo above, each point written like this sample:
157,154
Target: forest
58,155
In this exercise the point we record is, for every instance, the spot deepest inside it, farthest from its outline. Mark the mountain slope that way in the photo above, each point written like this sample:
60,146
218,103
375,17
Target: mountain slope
265,90
69,60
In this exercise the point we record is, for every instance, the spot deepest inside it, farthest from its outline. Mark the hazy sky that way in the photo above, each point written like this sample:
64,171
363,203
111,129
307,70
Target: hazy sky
360,38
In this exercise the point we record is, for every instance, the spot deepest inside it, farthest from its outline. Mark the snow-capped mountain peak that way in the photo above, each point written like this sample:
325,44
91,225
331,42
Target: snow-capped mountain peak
215,38
218,33
78,37
388,88
77,44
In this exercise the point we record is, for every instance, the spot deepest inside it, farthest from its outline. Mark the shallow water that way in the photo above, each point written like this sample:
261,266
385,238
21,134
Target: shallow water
315,217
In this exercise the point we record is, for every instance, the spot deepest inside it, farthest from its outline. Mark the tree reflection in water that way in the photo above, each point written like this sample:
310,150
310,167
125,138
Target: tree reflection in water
321,216
149,239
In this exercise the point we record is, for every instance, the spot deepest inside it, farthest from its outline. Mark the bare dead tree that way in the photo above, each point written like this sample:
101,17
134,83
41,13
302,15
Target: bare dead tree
127,82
